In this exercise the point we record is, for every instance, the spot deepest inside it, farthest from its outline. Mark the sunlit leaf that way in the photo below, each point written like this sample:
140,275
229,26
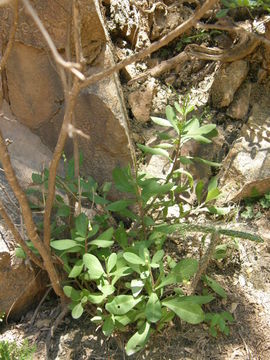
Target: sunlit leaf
153,309
93,265
138,340
122,304
189,312
154,151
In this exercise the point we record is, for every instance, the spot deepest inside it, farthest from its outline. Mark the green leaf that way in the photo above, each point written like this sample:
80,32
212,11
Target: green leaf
63,244
107,289
123,180
76,270
108,326
168,280
218,210
104,239
136,287
102,243
212,184
160,121
92,231
70,292
197,299
206,162
37,179
77,311
158,256
63,211
199,191
186,173
121,236
133,258
164,146
153,309
119,205
96,298
20,254
212,195
189,312
122,304
215,286
138,340
154,151
81,223
111,262
170,114
185,269
93,265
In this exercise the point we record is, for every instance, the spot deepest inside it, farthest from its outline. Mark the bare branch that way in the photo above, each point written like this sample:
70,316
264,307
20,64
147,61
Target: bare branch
153,47
17,236
28,220
70,105
11,36
73,67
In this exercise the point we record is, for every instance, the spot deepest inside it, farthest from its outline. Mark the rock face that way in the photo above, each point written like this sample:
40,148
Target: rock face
140,102
36,95
246,169
20,285
228,79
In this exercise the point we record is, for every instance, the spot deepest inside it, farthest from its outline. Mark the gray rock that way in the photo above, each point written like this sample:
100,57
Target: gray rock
227,80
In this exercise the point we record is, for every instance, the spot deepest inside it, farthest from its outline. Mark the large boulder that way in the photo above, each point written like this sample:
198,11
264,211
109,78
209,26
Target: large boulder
21,285
36,95
246,169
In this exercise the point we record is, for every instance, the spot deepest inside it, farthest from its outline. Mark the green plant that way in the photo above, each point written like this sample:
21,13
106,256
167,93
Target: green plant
254,207
116,265
219,322
12,351
250,4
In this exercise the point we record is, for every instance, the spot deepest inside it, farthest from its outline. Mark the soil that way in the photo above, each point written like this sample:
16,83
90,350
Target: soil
244,274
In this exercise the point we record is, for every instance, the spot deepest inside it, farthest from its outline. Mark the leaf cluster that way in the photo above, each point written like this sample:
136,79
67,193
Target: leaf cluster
117,269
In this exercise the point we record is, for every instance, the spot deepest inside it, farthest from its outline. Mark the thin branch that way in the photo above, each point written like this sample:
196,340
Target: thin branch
11,36
28,220
70,105
164,66
153,47
17,236
73,67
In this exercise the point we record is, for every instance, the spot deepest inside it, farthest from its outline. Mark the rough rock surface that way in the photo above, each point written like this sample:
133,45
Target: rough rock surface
140,102
35,92
246,169
20,284
240,105
228,79
25,159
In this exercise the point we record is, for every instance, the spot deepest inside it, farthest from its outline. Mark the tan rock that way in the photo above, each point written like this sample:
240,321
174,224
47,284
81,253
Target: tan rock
140,102
35,91
36,94
240,105
21,286
227,80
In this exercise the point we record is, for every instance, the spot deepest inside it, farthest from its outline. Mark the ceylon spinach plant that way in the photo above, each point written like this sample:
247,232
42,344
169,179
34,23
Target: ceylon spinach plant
116,265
